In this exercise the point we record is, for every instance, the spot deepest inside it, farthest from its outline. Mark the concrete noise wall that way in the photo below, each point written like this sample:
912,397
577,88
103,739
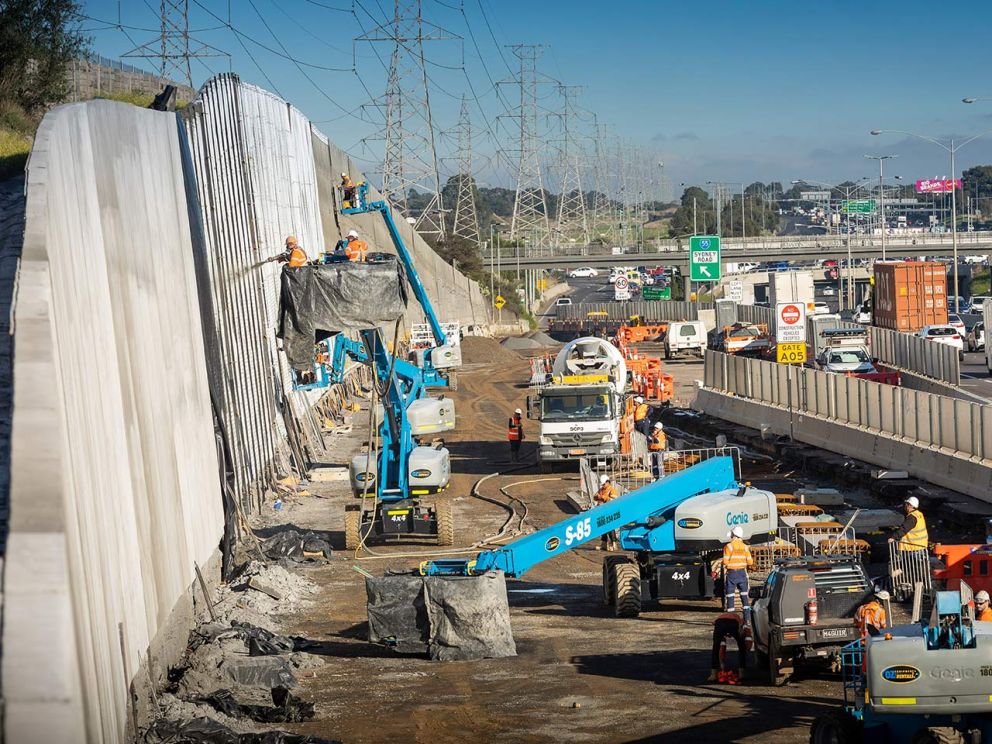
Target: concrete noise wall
114,475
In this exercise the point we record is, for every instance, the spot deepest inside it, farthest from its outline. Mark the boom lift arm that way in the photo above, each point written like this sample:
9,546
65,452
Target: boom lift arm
640,512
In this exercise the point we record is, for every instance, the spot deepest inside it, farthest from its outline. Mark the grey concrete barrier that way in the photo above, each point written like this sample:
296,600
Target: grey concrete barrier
932,463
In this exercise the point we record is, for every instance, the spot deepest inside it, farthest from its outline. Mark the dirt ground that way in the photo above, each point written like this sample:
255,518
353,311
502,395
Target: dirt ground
580,673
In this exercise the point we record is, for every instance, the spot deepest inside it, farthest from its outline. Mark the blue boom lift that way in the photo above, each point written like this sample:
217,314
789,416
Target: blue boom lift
923,683
664,522
403,470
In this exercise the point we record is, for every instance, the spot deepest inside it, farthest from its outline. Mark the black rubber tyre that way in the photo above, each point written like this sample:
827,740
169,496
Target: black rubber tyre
773,667
445,522
627,583
609,580
835,728
938,735
352,529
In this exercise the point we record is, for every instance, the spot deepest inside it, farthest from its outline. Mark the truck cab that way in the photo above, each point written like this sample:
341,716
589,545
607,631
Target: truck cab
578,419
785,628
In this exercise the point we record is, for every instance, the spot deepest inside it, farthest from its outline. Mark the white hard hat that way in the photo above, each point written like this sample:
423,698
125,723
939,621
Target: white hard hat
638,399
659,425
982,596
913,502
343,175
603,478
737,531
352,234
518,411
882,595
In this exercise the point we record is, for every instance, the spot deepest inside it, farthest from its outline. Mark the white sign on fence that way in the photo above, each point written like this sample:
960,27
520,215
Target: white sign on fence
735,291
790,322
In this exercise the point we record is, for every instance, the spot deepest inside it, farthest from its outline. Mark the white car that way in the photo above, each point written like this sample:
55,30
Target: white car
976,303
953,319
943,334
821,308
830,291
563,301
584,272
976,337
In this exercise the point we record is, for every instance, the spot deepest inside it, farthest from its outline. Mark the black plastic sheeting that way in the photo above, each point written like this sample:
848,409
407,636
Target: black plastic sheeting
209,731
299,547
284,709
448,618
317,301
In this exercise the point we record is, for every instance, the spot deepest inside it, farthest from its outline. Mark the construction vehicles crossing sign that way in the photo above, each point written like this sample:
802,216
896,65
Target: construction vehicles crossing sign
704,258
790,332
499,302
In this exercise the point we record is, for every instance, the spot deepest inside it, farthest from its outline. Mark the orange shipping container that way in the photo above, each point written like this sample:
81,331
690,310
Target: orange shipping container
910,295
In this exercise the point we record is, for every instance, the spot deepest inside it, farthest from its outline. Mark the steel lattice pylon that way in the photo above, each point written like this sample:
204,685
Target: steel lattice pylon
174,48
571,200
410,155
466,221
603,215
530,209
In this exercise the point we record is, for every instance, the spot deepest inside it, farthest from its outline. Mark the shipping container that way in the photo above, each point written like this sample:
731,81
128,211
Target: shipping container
791,286
910,295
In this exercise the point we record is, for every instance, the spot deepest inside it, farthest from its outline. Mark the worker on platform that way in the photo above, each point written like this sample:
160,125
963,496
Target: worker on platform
348,191
736,561
982,609
607,492
911,540
355,248
870,617
642,416
657,444
515,434
294,256
732,626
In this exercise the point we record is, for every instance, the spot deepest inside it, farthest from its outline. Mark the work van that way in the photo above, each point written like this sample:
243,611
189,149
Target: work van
685,337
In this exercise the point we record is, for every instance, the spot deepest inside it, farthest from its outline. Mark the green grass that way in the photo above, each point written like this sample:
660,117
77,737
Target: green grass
16,133
980,282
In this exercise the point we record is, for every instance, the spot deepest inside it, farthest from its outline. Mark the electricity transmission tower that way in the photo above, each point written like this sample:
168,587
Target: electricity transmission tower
174,48
603,217
410,158
466,220
571,200
530,208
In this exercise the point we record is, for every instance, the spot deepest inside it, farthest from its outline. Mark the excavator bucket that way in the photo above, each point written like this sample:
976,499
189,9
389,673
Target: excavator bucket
448,618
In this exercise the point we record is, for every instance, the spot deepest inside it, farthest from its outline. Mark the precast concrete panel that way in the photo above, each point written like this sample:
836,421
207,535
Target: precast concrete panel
109,243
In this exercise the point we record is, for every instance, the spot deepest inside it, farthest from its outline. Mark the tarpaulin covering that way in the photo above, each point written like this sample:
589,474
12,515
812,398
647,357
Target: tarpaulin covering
317,301
446,617
209,731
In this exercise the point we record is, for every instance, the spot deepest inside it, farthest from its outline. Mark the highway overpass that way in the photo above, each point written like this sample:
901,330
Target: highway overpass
784,248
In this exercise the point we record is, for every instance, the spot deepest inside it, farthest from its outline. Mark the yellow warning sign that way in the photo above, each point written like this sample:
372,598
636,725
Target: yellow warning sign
499,302
792,353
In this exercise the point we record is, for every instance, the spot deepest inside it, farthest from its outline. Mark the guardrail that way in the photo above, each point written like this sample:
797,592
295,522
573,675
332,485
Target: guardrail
916,354
653,310
925,419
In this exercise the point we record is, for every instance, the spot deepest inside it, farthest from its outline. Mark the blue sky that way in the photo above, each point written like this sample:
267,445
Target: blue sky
732,91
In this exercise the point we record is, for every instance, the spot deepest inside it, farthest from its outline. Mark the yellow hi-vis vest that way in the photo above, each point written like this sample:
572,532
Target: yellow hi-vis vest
917,538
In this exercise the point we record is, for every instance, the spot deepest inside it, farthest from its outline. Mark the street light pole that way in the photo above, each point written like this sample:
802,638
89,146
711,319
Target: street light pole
881,194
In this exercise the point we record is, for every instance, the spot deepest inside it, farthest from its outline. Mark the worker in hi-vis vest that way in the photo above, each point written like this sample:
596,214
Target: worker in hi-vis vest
736,561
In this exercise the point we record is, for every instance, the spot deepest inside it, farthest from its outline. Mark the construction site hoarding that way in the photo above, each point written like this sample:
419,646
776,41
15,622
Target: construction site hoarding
910,295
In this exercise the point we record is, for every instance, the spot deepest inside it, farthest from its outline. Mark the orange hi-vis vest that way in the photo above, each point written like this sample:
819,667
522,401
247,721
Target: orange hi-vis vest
297,257
356,249
641,411
871,613
607,492
659,442
984,615
514,432
736,555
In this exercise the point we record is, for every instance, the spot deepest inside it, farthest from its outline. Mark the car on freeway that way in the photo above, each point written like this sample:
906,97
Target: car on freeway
953,319
829,291
976,337
583,272
975,303
956,304
562,301
821,308
943,334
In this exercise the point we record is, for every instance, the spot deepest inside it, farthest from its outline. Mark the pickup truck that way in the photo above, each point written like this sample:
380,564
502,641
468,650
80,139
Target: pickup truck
781,625
743,339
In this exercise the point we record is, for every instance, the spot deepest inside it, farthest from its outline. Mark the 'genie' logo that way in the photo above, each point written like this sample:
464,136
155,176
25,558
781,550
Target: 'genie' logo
733,519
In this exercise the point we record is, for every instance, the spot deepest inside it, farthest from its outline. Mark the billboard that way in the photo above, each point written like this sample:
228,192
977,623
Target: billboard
937,185
814,195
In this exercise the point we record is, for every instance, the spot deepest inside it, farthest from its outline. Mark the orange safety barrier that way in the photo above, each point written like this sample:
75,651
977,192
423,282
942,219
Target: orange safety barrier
634,334
971,563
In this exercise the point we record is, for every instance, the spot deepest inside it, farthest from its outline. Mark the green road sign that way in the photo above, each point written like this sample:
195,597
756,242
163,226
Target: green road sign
704,258
858,206
656,293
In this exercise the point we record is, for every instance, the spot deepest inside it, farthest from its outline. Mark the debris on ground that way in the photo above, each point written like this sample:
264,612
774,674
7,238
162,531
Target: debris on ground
543,338
284,709
299,547
209,731
294,590
521,343
482,350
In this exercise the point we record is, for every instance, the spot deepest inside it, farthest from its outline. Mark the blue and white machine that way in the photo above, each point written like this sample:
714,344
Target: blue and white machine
671,524
403,471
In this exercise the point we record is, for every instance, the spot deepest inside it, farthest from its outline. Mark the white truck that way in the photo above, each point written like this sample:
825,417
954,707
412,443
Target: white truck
581,408
791,286
844,350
